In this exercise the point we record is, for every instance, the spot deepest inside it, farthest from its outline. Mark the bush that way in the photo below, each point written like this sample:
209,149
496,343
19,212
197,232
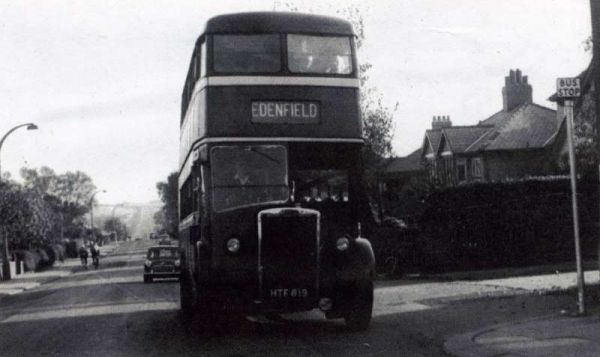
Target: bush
71,249
44,259
30,259
59,251
52,256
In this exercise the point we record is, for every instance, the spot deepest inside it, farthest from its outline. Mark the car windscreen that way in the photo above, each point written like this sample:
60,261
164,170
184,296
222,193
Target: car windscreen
163,253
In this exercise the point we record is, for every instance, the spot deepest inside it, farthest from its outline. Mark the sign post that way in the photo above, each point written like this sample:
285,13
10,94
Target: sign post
567,89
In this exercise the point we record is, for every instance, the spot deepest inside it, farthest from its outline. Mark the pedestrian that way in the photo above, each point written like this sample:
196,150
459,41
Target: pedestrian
83,255
95,250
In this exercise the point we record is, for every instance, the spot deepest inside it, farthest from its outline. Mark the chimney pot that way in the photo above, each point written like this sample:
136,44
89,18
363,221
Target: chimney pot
516,90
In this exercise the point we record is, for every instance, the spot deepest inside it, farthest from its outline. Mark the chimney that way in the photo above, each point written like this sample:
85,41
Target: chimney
439,122
516,90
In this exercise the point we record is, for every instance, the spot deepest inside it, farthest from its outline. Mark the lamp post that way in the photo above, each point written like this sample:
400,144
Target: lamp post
92,213
5,263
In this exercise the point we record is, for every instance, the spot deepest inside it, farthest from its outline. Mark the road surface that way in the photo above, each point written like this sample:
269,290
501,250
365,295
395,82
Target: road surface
111,312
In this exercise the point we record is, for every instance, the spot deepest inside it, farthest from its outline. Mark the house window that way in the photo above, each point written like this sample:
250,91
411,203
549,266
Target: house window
476,167
461,170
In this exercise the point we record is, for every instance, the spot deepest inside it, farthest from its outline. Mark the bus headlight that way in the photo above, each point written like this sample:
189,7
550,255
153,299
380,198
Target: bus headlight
147,263
342,244
233,245
177,262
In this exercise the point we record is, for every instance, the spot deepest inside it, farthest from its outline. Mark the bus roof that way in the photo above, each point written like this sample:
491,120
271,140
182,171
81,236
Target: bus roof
269,22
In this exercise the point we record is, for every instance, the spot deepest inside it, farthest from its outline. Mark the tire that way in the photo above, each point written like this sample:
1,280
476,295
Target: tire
186,294
360,309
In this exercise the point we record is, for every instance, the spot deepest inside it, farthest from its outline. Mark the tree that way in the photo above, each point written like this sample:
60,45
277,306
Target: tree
114,225
167,218
66,197
25,218
377,118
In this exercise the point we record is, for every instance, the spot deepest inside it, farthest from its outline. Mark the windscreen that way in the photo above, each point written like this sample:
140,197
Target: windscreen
321,185
163,253
246,53
319,54
248,175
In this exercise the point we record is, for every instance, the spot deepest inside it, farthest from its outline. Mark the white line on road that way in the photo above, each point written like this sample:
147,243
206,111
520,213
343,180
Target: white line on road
92,311
89,282
109,270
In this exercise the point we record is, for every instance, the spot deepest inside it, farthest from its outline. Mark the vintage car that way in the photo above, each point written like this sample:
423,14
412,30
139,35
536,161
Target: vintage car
162,262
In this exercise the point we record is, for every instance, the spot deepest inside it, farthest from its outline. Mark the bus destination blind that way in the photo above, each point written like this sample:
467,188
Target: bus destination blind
279,112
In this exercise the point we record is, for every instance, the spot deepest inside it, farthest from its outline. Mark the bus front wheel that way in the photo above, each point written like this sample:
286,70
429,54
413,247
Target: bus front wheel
358,315
187,297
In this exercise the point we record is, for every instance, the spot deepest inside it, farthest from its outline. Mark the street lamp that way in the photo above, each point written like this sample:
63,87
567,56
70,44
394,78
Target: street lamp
30,126
92,213
5,263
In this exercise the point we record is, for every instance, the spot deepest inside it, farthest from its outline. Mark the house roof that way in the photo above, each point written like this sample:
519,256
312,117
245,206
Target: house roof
409,163
497,119
434,136
530,126
460,138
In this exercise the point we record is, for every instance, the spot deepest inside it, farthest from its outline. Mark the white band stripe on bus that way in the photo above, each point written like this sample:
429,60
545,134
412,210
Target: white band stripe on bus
277,139
277,81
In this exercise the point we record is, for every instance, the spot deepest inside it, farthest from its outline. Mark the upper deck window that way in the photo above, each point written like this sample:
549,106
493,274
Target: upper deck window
247,53
319,54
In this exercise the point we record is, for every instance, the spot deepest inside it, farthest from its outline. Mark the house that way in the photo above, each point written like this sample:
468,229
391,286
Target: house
522,139
399,171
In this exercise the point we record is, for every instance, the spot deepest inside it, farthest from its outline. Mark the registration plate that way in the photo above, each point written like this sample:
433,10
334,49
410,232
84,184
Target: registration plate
289,293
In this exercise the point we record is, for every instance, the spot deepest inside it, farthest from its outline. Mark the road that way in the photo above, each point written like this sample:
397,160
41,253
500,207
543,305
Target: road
111,312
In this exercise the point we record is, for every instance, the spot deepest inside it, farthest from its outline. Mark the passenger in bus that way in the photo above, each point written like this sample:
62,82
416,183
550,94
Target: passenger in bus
241,176
322,64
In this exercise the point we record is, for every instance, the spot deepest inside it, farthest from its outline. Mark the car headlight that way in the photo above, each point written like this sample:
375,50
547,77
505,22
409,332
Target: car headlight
233,245
342,244
177,262
148,263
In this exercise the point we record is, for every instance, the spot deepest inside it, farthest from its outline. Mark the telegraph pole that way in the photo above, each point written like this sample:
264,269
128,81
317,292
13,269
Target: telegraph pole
595,68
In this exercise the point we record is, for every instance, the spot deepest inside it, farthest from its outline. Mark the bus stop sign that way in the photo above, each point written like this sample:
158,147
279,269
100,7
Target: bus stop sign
568,87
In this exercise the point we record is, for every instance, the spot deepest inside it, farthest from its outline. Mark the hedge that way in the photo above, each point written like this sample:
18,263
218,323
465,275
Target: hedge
506,224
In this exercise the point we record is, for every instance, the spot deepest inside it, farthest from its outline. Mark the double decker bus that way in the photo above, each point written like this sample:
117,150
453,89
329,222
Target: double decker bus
270,191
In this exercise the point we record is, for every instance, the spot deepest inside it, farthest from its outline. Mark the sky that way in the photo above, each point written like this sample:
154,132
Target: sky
103,79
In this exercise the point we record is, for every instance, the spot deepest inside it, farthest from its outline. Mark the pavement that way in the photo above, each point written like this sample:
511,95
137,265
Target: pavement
553,335
27,281
564,333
